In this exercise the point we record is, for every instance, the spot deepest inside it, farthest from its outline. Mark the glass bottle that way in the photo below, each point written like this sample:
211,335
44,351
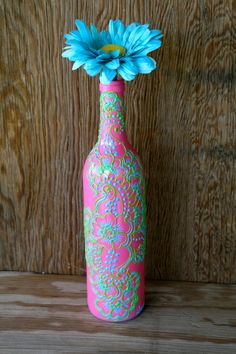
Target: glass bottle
114,215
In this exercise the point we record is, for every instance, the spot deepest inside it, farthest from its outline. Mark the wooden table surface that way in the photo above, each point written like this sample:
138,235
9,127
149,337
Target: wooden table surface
48,314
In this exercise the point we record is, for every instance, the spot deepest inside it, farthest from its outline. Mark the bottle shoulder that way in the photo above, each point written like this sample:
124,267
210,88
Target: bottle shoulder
118,161
124,151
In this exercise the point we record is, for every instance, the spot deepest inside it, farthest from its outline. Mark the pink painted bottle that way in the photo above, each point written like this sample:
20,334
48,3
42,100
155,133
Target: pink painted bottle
114,215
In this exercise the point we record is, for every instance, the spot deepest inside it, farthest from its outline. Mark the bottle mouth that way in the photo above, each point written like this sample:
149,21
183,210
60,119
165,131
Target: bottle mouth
115,86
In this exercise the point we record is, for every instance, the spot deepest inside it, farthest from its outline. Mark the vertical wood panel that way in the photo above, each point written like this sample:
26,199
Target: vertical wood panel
181,119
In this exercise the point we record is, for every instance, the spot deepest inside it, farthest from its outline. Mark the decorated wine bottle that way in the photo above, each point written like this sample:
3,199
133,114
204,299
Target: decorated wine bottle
114,215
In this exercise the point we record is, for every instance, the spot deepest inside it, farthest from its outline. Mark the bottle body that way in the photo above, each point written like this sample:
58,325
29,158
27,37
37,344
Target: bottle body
114,216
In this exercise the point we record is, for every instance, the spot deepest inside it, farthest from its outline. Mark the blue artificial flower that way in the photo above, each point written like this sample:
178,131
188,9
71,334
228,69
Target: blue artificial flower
122,50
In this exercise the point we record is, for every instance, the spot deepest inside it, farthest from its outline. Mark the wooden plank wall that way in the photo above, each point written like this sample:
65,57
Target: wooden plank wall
181,119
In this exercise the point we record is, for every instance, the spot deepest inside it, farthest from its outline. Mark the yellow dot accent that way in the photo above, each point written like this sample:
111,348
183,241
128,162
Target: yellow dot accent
109,47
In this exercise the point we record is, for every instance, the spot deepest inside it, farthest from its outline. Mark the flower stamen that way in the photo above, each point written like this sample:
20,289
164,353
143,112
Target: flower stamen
110,47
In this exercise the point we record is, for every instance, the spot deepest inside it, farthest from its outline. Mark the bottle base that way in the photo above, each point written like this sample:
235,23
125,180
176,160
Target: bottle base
118,320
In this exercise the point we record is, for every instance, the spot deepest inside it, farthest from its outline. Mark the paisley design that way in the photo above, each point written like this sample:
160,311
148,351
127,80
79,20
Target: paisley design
114,218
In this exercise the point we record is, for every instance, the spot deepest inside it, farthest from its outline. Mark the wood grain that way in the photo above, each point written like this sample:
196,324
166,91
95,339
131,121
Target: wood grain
49,314
181,119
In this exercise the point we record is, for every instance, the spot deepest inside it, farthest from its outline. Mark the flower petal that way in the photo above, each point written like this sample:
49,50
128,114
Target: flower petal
68,53
145,64
77,64
128,71
116,30
112,29
107,76
155,33
135,35
106,37
103,57
128,32
84,31
120,28
98,40
114,64
73,41
115,53
153,45
130,66
92,67
73,34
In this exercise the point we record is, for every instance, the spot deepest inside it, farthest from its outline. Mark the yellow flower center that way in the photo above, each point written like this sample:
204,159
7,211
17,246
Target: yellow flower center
109,47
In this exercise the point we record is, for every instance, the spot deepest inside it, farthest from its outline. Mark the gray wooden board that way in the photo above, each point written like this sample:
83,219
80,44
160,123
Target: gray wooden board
49,314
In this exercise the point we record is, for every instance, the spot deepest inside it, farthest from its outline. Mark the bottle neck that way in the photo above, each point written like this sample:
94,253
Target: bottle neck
112,116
